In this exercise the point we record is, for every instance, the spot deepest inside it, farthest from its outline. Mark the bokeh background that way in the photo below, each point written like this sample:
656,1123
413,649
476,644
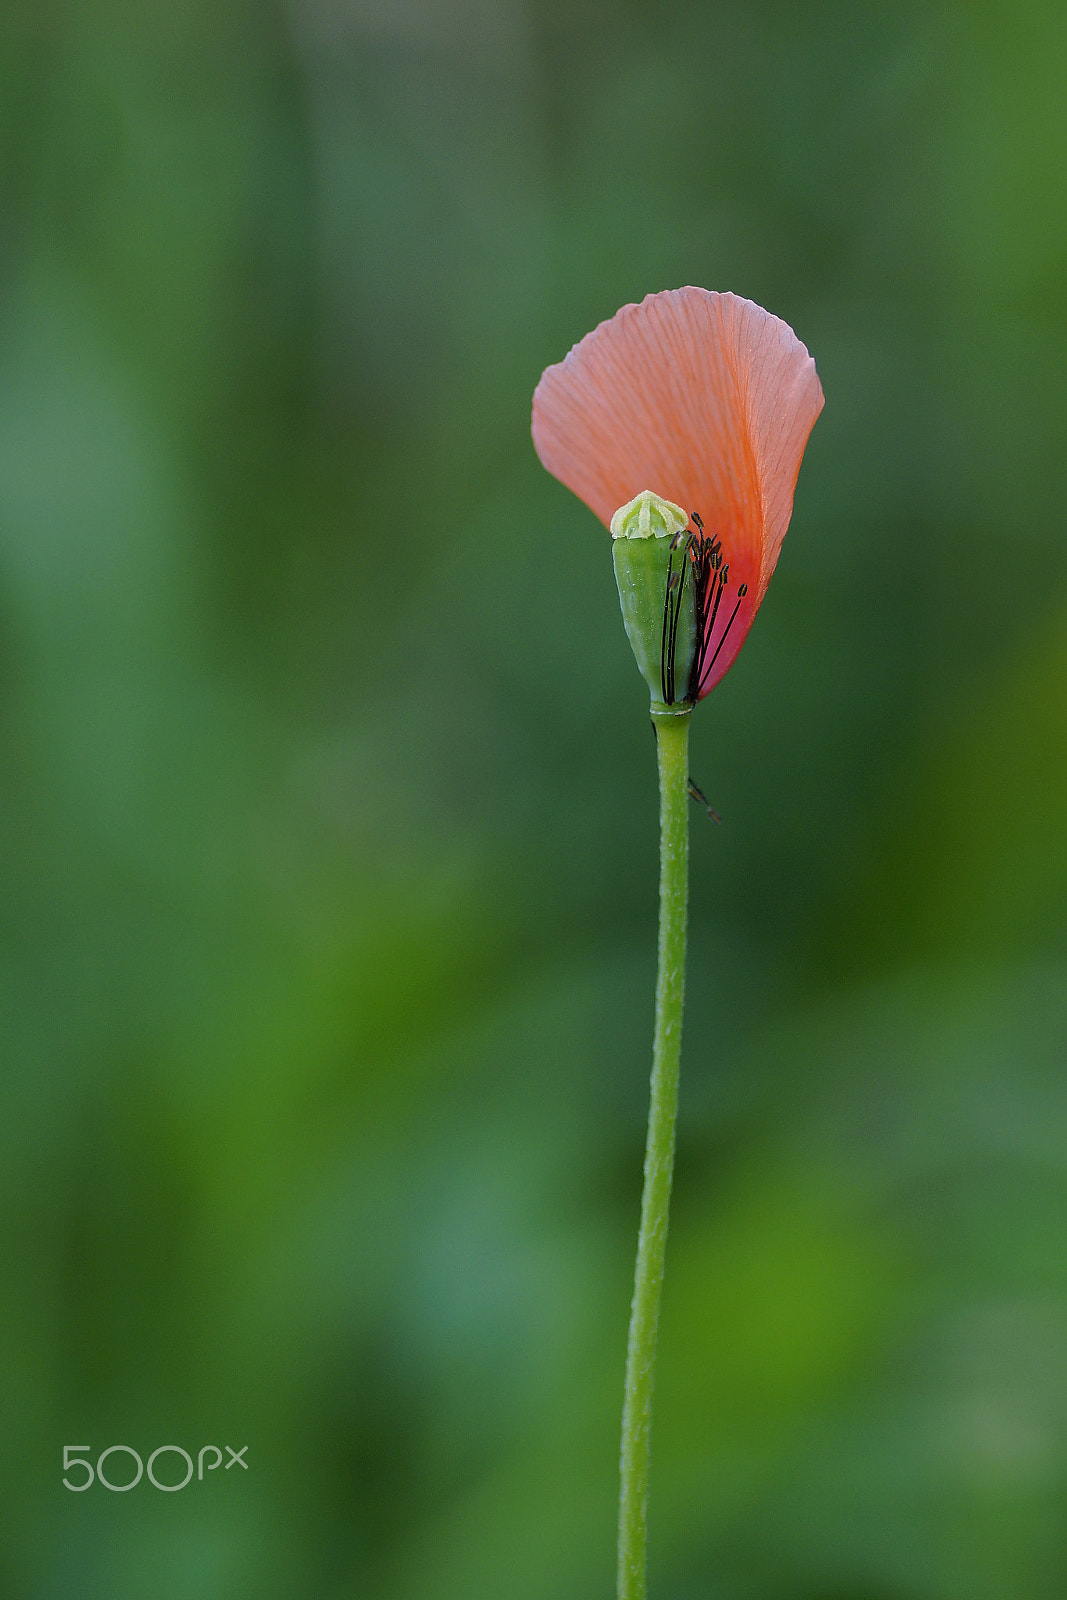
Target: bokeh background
327,829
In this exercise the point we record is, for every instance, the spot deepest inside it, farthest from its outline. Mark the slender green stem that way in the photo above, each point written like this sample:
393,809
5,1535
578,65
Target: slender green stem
672,744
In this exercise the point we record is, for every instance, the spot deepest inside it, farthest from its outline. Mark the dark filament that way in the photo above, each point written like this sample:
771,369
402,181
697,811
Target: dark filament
741,593
702,556
672,605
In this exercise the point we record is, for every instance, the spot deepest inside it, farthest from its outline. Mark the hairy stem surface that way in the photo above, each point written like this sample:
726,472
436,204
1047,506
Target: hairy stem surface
672,744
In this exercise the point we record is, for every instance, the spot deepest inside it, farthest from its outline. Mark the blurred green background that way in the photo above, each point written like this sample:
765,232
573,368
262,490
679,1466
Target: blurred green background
327,807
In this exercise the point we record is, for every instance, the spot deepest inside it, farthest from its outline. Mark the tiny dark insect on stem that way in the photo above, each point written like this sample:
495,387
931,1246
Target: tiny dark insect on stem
696,793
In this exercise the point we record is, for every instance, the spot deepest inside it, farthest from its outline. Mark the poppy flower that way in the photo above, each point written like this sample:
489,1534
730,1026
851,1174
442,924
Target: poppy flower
708,401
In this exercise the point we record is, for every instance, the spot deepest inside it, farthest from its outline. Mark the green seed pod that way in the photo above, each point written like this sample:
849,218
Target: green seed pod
650,548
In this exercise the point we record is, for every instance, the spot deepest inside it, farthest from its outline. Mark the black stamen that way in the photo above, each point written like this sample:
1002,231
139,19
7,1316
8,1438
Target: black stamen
676,584
672,607
697,557
663,637
728,626
719,587
709,571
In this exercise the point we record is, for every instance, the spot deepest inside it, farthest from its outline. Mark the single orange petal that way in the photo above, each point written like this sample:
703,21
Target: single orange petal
707,400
